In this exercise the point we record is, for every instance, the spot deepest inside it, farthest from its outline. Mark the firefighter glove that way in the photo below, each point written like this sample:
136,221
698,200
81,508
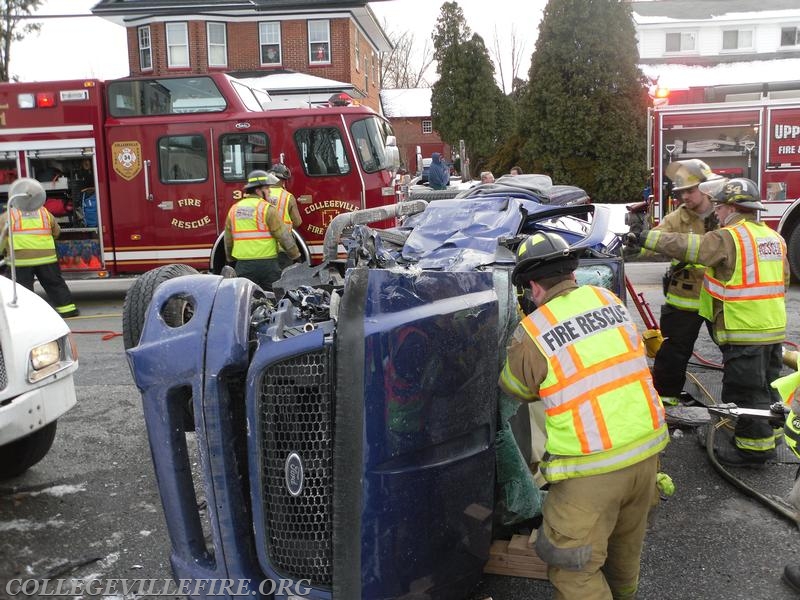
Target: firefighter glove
652,342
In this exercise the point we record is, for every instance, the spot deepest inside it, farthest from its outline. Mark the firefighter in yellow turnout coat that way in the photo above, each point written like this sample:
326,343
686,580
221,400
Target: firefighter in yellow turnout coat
743,297
285,203
581,355
34,235
254,231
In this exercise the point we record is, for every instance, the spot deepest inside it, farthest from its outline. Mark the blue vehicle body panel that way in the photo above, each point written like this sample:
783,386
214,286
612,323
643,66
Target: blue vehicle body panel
352,455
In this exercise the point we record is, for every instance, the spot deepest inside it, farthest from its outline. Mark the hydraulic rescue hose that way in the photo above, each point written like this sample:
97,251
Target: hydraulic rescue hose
774,503
107,334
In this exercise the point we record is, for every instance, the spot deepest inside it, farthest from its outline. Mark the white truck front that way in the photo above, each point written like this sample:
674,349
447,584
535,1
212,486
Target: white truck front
38,357
37,361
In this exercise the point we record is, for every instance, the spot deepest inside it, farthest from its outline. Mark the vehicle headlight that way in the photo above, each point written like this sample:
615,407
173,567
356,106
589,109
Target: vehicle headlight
45,355
50,357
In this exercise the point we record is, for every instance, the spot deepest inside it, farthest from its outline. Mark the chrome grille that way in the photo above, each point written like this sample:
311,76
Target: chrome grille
296,416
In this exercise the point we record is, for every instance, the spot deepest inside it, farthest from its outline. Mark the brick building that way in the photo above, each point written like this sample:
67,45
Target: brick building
337,40
409,110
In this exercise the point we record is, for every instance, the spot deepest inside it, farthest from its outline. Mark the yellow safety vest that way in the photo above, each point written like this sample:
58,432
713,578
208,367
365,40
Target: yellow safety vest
252,238
753,304
787,387
280,199
33,238
602,411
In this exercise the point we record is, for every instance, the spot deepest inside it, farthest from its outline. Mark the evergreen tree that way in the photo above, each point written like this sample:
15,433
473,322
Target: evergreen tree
585,107
11,12
466,103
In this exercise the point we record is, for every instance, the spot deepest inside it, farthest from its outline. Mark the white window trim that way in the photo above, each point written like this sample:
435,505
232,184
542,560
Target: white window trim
148,48
738,31
263,42
358,54
695,50
224,43
427,126
172,44
327,41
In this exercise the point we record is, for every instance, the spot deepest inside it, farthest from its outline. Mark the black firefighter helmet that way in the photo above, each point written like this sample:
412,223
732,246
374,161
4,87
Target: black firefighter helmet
541,255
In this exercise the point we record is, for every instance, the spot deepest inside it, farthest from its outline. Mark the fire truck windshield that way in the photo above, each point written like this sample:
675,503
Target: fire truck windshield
370,136
180,95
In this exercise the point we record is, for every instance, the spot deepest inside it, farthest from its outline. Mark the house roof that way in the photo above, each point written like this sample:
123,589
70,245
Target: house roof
128,12
677,76
406,102
698,10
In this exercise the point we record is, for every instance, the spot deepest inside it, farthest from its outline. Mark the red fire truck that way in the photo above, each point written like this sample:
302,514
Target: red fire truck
141,172
739,131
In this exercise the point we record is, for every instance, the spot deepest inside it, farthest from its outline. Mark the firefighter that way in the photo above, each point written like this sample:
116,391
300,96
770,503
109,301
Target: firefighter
743,297
787,387
253,232
680,323
34,234
284,201
581,355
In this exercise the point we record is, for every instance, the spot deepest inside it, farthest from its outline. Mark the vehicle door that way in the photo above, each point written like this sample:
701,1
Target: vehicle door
163,193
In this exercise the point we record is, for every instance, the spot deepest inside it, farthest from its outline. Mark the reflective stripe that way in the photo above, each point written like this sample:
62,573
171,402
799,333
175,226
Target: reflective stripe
558,468
515,385
252,235
683,302
756,444
282,204
693,247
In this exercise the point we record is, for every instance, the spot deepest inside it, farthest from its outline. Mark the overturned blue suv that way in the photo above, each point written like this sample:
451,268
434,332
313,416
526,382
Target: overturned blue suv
347,423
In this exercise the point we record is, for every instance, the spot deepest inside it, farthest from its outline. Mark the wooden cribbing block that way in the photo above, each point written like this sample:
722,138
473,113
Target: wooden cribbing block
515,558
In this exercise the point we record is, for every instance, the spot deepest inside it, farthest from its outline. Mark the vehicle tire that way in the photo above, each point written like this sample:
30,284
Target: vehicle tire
433,194
20,455
137,301
793,250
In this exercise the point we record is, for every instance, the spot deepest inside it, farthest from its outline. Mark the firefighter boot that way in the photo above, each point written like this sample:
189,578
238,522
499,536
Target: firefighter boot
730,456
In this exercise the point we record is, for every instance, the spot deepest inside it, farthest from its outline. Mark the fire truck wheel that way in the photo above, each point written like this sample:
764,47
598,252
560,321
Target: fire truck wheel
137,301
20,455
794,252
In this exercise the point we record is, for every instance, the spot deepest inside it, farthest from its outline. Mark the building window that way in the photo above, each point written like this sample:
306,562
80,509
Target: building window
427,126
737,39
366,74
269,38
319,41
177,45
790,36
145,50
217,45
358,54
681,41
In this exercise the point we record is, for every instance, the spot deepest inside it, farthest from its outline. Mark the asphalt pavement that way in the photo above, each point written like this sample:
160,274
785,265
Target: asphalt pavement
91,509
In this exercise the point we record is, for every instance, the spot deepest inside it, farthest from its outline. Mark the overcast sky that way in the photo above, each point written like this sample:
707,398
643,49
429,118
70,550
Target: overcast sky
93,47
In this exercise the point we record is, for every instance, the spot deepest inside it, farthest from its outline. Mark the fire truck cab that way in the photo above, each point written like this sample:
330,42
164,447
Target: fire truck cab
738,132
142,172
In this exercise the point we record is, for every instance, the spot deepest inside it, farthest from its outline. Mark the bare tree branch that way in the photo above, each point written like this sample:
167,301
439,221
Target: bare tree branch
406,66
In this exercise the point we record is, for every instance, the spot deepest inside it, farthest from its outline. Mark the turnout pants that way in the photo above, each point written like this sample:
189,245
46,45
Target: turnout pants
680,329
747,374
262,271
594,529
52,281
